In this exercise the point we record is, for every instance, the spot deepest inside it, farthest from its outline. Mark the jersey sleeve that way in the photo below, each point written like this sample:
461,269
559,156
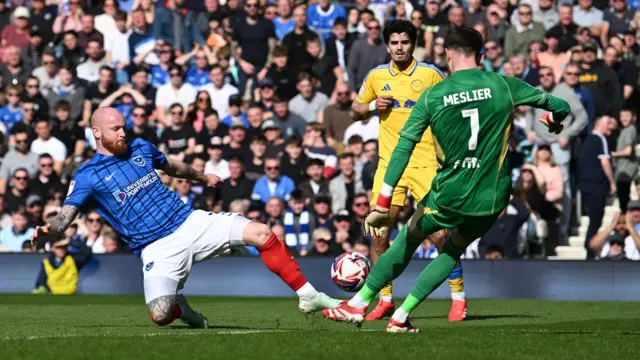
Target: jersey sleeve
367,94
157,157
524,94
410,135
80,190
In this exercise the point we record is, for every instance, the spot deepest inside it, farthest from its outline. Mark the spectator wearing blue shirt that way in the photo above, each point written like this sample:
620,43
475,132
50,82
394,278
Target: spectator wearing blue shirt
198,75
272,184
11,113
160,72
571,77
322,15
126,98
235,112
141,36
283,24
12,237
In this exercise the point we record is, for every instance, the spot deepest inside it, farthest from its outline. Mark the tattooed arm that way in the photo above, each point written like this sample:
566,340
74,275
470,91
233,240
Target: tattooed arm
178,169
58,225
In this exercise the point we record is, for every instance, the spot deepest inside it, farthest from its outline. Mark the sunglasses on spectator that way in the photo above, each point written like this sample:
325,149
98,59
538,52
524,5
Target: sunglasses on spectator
175,74
524,13
138,114
46,164
202,99
12,94
176,113
32,86
545,75
20,178
491,48
201,58
269,168
164,52
28,109
21,141
571,73
181,181
362,204
251,5
93,220
342,93
373,27
48,62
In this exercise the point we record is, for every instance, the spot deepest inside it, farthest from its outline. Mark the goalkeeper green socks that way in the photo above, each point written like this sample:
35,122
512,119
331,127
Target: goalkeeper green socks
431,277
390,265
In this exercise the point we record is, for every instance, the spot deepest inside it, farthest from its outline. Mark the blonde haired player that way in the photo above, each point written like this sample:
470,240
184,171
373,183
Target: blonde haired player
392,90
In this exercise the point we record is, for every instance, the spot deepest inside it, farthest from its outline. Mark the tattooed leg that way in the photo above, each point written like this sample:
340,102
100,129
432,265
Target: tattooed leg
164,309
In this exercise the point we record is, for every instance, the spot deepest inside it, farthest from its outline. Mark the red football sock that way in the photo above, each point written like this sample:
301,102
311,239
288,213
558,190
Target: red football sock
278,259
176,314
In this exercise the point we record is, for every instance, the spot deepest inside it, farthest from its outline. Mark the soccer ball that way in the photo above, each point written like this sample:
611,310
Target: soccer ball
350,270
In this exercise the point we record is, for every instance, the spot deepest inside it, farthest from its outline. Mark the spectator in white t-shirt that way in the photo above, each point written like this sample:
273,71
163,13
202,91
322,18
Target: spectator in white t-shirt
90,69
216,164
174,91
219,91
118,55
368,129
47,143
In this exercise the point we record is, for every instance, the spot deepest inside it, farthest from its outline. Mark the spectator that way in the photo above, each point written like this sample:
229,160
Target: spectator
254,37
586,15
213,131
275,213
322,210
315,147
524,71
571,78
337,117
216,164
280,79
111,242
179,139
67,90
324,70
283,23
164,16
596,176
14,71
59,270
47,143
322,244
265,96
34,211
342,225
236,186
294,159
497,26
255,166
552,174
338,45
235,112
521,35
493,58
254,117
360,210
42,18
309,103
475,13
626,72
141,128
11,113
617,20
296,40
187,195
552,57
13,237
273,184
17,34
125,99
90,69
34,99
88,32
346,185
626,164
219,91
17,195
20,157
601,80
106,23
174,91
315,183
322,16
198,75
366,54
619,240
46,180
370,151
140,82
117,56
71,134
47,73
368,129
566,29
299,224
159,70
97,92
455,17
238,144
290,124
199,110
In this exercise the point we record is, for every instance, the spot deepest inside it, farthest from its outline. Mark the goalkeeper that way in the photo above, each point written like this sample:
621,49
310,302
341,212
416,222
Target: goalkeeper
469,114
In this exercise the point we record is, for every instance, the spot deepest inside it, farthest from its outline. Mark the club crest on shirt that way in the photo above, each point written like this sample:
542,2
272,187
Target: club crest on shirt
417,85
120,196
138,160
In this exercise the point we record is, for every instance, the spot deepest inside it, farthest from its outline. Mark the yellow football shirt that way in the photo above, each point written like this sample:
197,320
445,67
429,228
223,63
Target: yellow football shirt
405,87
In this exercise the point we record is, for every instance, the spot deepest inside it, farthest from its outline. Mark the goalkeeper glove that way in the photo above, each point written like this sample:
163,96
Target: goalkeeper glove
554,127
378,221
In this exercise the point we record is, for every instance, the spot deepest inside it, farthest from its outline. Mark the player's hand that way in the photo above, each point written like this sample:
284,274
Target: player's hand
383,101
377,222
212,180
41,231
553,126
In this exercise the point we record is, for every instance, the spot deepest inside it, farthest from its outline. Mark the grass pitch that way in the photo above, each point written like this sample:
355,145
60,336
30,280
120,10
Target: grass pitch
117,327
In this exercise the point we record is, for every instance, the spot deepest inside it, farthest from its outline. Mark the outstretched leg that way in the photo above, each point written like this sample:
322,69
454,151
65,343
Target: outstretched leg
458,310
166,305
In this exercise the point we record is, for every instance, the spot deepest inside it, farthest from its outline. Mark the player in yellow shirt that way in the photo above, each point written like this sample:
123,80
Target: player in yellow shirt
392,90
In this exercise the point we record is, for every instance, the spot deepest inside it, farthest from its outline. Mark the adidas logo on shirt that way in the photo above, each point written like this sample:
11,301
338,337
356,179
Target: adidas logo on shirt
386,87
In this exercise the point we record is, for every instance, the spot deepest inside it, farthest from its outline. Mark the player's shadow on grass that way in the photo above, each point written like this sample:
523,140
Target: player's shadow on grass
482,317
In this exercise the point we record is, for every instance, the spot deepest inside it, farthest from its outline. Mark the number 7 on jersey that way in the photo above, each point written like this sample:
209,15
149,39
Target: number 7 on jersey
475,126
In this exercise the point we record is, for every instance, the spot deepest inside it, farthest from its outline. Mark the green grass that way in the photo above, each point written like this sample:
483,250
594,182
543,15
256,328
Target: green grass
117,327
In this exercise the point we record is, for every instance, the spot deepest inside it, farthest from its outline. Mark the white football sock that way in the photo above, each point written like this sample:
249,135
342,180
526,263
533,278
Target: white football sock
386,298
307,291
457,295
357,301
400,315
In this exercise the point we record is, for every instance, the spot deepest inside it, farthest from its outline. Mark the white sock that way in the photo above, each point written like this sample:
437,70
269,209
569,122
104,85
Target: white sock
386,298
307,291
457,296
357,301
400,315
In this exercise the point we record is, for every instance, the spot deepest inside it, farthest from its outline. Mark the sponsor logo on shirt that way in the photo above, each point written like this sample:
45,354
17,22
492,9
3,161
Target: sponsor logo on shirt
133,189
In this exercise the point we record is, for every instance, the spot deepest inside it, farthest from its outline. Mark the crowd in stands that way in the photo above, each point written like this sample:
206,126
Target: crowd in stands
259,93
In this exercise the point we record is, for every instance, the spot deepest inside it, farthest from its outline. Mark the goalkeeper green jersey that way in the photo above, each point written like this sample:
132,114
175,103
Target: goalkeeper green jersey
470,118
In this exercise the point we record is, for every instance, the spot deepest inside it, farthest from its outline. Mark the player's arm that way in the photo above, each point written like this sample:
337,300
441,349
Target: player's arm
524,94
178,169
367,102
58,225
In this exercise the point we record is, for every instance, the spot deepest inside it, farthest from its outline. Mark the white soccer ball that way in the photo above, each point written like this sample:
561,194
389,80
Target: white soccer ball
350,270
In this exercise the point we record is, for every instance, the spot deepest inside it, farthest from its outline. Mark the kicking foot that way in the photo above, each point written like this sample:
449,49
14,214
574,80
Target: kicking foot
458,310
190,317
346,313
319,302
398,327
383,309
